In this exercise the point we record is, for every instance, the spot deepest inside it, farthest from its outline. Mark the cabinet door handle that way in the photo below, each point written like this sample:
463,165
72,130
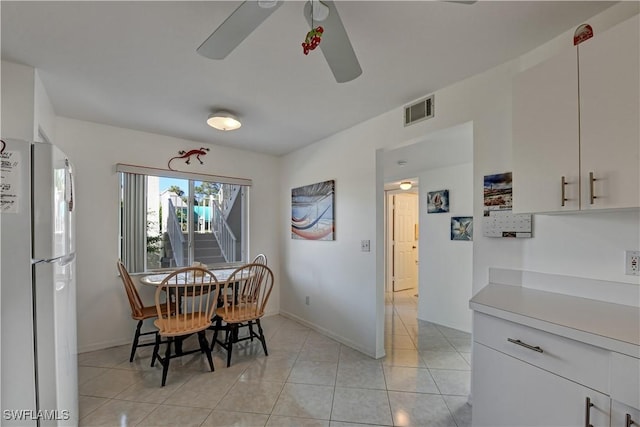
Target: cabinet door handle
564,184
525,345
587,414
592,197
629,421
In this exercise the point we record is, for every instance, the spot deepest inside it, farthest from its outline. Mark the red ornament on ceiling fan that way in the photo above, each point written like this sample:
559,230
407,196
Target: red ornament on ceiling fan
318,11
312,40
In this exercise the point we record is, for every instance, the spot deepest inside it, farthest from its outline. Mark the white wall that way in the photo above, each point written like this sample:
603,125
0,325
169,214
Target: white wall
352,158
587,245
445,264
346,286
17,100
26,108
44,115
94,150
337,277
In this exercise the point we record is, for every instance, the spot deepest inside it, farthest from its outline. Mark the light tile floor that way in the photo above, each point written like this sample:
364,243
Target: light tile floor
307,380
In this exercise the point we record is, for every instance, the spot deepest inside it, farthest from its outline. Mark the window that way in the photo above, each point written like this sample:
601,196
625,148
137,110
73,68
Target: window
170,219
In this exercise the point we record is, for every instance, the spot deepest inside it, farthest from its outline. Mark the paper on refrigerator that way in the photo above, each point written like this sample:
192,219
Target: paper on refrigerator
10,182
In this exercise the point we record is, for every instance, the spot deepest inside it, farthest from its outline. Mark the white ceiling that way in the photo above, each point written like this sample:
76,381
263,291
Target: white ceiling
134,64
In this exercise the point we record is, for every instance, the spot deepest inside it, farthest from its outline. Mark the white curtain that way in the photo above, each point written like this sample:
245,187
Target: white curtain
134,222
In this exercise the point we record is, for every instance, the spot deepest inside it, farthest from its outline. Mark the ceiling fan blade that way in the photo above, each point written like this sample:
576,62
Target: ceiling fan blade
335,44
246,18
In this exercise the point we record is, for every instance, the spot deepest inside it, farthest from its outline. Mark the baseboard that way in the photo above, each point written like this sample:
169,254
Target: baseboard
104,344
271,313
328,333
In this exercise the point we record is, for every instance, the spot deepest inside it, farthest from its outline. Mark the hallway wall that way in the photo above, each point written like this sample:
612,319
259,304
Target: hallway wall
445,264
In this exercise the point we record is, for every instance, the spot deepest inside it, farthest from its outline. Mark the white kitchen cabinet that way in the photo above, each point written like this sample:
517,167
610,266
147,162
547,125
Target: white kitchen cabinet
610,117
625,394
538,356
576,127
623,415
509,392
574,360
545,136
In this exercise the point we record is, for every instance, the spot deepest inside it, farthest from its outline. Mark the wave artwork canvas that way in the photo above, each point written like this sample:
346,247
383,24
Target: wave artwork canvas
312,211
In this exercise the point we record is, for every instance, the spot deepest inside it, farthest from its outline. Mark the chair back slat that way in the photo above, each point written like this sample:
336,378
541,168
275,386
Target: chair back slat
132,293
247,292
191,296
260,259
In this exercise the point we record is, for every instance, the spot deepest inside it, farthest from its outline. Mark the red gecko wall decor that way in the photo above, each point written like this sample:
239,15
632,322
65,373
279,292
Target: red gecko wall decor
188,154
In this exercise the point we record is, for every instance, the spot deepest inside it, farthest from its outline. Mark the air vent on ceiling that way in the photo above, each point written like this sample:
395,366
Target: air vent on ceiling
421,110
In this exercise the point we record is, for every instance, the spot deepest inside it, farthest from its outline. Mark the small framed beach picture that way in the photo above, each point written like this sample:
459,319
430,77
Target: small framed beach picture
461,228
438,201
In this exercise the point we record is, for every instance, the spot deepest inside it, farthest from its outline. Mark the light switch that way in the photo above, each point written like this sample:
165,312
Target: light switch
365,245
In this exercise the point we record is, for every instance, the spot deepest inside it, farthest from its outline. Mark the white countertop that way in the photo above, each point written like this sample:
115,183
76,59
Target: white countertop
611,326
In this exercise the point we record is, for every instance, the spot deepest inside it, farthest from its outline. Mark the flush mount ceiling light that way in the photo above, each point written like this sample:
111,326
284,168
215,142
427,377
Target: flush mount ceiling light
223,120
405,185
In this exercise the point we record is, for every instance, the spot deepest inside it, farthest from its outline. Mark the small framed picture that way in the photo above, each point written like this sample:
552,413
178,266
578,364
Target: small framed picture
438,201
461,228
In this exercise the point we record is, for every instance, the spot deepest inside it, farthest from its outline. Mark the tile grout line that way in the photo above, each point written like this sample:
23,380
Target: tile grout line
286,379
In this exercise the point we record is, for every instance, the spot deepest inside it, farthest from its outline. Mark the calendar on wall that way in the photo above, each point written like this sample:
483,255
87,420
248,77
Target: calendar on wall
506,224
498,220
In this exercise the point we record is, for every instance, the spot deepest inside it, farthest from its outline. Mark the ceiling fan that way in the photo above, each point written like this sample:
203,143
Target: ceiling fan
335,45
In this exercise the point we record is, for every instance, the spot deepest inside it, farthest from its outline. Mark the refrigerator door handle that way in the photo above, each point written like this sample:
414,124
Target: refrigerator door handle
69,196
61,260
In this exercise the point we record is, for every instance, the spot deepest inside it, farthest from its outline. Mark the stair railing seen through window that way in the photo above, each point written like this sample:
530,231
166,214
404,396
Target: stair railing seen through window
172,221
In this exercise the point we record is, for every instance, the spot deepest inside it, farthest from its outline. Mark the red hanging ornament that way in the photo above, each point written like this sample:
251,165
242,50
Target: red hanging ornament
312,40
582,33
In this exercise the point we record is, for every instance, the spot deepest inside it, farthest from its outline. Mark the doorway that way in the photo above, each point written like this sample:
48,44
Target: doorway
441,160
402,240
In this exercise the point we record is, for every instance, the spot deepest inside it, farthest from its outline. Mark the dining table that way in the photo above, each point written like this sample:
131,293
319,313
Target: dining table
155,279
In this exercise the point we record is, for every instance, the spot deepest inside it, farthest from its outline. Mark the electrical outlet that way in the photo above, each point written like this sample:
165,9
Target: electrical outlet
632,263
365,245
306,300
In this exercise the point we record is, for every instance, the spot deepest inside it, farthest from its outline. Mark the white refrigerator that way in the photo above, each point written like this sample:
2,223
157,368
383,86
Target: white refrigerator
38,347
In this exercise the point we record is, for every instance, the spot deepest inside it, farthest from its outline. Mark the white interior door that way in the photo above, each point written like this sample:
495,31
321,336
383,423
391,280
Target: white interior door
405,242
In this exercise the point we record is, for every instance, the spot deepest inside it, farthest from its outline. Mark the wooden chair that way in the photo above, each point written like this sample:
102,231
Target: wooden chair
260,259
196,291
139,311
244,298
